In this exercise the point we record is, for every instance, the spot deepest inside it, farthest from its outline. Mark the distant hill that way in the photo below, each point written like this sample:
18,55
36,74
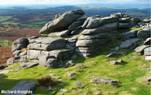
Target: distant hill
91,9
37,16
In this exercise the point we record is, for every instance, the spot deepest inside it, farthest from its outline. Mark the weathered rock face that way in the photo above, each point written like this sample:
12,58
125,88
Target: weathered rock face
20,44
68,34
49,51
94,22
145,49
140,49
92,40
62,22
130,34
77,24
145,35
147,41
147,53
145,32
129,44
47,43
23,86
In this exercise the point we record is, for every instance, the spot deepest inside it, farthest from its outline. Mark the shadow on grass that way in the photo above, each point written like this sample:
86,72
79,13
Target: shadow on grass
8,84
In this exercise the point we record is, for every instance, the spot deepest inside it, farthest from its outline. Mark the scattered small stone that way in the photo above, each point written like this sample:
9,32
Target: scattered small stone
72,75
117,62
70,63
115,53
99,80
79,84
28,65
149,80
4,71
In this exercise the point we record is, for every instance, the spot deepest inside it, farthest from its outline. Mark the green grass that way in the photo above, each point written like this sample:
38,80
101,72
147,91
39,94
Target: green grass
136,28
131,75
8,21
5,43
34,25
4,18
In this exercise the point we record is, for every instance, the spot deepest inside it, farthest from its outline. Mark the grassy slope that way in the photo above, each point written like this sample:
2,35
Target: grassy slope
5,43
131,75
4,18
35,25
7,20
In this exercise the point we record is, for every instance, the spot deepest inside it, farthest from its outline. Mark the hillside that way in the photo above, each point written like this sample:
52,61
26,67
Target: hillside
86,55
18,21
131,75
35,17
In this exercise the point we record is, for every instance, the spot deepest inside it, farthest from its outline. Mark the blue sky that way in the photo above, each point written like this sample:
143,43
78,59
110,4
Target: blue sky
72,2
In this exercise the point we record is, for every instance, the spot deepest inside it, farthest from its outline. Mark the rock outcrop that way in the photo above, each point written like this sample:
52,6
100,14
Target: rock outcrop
139,39
72,33
23,88
62,22
145,36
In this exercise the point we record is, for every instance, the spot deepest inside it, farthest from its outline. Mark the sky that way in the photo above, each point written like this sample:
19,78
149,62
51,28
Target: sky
72,2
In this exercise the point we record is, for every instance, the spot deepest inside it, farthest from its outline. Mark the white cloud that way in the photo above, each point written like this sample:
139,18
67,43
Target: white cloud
43,1
65,1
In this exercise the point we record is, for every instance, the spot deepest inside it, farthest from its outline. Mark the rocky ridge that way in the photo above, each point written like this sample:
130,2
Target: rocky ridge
73,33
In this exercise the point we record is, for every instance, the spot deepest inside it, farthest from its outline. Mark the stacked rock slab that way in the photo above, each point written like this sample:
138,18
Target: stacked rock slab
67,34
48,51
145,49
145,35
50,48
147,42
98,31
